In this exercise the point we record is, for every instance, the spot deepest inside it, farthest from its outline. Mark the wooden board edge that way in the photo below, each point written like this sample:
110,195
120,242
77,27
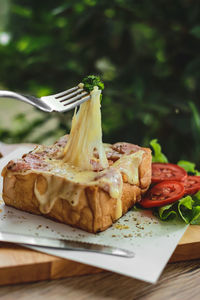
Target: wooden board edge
25,273
55,268
185,252
67,268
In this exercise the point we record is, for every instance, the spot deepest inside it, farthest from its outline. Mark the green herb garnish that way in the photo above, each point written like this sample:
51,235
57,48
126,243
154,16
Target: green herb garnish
91,81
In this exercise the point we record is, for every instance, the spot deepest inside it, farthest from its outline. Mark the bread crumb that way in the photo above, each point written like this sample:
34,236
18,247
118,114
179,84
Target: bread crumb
120,226
128,235
138,234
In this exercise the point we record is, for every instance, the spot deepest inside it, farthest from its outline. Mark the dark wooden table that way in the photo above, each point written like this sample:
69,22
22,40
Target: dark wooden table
178,281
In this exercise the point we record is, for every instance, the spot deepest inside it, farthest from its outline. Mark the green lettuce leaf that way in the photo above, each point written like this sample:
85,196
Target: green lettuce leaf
196,198
196,216
187,209
157,155
196,209
166,212
188,166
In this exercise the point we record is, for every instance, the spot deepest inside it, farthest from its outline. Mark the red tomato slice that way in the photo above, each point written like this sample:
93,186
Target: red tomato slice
192,184
165,171
163,193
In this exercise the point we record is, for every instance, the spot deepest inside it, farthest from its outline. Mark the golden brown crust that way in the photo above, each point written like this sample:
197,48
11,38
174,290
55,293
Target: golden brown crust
95,210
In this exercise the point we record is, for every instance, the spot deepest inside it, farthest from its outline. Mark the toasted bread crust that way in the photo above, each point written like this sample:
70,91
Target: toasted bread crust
95,210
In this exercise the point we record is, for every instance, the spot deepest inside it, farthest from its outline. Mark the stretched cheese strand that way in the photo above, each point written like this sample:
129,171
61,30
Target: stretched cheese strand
86,135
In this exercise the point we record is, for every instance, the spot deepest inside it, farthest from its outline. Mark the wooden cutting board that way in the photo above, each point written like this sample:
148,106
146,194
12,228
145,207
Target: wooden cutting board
18,264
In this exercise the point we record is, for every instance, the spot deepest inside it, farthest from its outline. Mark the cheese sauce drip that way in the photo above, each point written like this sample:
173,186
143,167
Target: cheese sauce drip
55,188
69,181
86,135
128,165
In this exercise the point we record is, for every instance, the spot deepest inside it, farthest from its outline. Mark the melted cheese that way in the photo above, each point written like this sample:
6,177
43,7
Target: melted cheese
56,188
74,171
69,181
116,186
129,164
86,135
66,182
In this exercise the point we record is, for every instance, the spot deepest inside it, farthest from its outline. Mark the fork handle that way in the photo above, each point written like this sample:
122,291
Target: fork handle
29,99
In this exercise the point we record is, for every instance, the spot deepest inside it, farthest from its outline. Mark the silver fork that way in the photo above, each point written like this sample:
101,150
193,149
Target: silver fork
60,102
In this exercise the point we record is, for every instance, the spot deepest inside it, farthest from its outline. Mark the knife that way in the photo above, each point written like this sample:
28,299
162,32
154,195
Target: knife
63,244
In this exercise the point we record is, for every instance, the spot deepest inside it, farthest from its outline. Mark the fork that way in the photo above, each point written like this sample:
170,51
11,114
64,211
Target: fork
60,102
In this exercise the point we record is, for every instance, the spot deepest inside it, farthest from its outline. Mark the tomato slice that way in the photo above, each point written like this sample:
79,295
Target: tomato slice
166,171
192,184
163,193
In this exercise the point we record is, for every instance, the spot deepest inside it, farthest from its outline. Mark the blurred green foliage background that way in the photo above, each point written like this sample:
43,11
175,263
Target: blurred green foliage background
147,52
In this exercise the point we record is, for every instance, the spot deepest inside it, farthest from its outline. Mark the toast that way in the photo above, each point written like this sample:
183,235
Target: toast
41,183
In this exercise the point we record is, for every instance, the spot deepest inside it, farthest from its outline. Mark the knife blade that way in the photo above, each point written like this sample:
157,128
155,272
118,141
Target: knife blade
63,244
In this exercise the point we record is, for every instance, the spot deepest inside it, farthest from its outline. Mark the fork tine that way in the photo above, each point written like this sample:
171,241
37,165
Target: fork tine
76,103
66,92
71,95
69,100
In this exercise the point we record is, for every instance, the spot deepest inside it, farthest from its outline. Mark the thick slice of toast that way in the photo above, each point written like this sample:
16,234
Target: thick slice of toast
39,183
